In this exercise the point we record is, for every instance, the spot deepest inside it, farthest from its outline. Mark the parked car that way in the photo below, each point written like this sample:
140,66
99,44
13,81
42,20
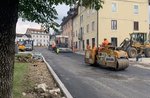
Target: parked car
28,47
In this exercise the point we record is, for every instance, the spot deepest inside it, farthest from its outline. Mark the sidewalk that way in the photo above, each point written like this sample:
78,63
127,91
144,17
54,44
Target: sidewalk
141,61
80,52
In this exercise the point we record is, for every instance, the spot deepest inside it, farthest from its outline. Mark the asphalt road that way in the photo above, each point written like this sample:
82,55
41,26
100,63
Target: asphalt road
84,81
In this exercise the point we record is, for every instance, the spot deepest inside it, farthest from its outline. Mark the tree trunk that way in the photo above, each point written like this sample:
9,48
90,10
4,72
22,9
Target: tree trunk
8,20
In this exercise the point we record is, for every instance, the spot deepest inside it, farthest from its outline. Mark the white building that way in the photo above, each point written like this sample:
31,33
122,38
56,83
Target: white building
22,37
39,36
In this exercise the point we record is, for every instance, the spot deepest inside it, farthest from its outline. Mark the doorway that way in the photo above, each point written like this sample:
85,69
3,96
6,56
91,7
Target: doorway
114,41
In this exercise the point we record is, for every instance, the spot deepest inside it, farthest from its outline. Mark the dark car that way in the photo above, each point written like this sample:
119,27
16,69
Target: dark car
28,47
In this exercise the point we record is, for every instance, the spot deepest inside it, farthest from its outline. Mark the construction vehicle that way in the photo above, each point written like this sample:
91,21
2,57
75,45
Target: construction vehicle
107,57
60,43
137,44
22,45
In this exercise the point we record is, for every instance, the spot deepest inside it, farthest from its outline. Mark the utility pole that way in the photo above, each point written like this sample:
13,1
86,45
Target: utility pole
97,7
97,27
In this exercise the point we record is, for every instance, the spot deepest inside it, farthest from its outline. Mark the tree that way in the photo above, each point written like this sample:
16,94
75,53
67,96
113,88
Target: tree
40,11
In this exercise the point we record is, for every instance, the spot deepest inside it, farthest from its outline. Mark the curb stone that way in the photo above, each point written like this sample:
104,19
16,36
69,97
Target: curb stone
61,85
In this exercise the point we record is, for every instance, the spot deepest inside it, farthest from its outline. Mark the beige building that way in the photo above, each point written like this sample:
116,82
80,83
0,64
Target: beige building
84,28
116,20
67,26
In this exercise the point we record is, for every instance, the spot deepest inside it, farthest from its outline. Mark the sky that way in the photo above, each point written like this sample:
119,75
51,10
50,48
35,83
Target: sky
23,25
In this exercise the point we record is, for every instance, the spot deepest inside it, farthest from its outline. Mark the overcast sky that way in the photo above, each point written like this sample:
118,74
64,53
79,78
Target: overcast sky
22,26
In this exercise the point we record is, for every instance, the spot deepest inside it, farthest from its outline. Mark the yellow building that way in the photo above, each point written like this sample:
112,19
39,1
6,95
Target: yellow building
116,20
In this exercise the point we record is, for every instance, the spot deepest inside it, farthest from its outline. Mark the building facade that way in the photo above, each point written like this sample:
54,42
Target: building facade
39,36
85,28
115,21
67,26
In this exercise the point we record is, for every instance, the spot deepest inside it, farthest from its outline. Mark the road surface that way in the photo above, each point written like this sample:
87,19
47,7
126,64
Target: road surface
84,81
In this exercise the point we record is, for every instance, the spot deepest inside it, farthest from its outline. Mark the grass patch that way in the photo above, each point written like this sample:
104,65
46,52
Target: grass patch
20,70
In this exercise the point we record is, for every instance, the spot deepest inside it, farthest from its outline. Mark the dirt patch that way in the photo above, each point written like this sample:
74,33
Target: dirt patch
39,82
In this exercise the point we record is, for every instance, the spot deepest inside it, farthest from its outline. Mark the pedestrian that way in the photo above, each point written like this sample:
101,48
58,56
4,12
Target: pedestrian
139,57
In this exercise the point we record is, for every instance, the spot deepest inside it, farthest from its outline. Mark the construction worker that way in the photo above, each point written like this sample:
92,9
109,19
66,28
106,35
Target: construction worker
53,46
57,50
105,42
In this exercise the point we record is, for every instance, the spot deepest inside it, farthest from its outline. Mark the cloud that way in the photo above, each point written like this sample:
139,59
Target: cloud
23,25
62,11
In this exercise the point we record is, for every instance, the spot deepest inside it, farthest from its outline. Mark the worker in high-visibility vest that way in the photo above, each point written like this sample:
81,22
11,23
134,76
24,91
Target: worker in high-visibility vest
105,42
53,46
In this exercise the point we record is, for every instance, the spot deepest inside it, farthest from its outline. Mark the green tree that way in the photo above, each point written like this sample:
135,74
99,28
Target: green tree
40,11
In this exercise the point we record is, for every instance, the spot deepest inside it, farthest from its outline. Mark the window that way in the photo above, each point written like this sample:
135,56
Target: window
83,47
81,19
136,25
136,9
87,28
93,42
87,41
93,25
82,30
76,34
114,24
114,41
76,44
114,7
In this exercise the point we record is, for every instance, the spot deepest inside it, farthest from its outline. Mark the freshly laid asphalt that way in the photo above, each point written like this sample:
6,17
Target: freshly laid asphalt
85,81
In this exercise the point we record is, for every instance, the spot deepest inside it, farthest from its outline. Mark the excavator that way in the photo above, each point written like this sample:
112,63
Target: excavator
108,57
137,44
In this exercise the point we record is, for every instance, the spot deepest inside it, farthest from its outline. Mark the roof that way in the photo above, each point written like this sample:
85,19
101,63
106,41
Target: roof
71,14
61,36
21,35
35,30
